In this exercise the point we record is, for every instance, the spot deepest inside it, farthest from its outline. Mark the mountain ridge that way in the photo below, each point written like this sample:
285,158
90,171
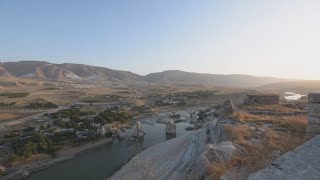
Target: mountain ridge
47,71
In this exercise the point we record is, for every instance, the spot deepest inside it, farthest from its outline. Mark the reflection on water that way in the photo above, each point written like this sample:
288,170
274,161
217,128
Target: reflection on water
105,160
293,96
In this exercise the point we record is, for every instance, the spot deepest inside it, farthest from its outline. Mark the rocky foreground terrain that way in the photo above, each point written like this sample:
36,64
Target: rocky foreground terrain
232,146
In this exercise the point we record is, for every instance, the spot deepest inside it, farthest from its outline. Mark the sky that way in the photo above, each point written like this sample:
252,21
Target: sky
278,38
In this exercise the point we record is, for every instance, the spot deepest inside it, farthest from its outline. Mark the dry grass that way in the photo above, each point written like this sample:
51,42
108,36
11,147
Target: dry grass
240,133
275,108
293,123
7,116
254,156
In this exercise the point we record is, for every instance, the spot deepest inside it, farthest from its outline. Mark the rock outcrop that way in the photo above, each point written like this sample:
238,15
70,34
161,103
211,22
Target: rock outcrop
314,114
228,107
186,157
171,128
138,132
301,164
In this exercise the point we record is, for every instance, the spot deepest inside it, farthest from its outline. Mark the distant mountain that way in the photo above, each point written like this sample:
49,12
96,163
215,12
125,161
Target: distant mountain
234,80
46,71
60,72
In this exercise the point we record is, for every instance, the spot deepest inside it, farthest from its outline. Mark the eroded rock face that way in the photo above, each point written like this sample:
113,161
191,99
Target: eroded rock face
314,114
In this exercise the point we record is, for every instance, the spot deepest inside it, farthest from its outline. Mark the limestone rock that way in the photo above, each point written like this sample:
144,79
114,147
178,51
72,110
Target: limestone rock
220,151
314,109
314,98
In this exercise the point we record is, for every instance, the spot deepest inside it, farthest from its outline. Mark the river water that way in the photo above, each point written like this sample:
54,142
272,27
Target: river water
293,96
103,161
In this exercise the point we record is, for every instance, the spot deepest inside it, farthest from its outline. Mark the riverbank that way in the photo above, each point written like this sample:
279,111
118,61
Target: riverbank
41,162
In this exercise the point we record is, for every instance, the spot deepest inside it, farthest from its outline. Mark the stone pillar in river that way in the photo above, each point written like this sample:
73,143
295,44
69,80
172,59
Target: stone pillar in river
171,127
138,130
314,114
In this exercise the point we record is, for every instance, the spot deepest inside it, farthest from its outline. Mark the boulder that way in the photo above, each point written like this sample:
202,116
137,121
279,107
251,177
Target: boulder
222,151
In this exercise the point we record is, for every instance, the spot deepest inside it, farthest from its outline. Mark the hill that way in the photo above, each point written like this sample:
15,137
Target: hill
45,71
60,72
234,80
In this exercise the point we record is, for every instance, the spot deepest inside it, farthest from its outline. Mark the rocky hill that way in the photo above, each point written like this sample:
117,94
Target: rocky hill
42,70
49,71
233,80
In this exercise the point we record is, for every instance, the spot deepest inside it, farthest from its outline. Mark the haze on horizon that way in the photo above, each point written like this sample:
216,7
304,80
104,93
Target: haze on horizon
262,38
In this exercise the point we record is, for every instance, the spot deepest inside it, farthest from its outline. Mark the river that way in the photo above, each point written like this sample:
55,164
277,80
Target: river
103,161
293,96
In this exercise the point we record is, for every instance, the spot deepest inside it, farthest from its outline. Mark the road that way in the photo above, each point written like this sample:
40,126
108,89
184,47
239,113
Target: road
18,123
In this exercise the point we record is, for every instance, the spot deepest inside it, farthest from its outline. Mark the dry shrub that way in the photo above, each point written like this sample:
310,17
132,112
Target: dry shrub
6,116
218,169
241,116
295,123
239,133
251,159
276,140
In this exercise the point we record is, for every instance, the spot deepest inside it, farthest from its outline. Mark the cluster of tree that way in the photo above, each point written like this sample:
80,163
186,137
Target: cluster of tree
36,144
78,125
7,105
41,105
15,95
73,114
198,94
107,117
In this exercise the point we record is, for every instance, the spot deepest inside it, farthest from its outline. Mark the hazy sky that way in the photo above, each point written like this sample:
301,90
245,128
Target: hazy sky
257,37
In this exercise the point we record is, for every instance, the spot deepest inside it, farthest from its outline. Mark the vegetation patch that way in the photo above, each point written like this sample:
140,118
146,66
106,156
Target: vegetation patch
102,99
41,104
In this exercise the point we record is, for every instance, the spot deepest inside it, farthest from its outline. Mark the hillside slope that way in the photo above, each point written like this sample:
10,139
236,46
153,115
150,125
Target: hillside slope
45,71
49,71
234,80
